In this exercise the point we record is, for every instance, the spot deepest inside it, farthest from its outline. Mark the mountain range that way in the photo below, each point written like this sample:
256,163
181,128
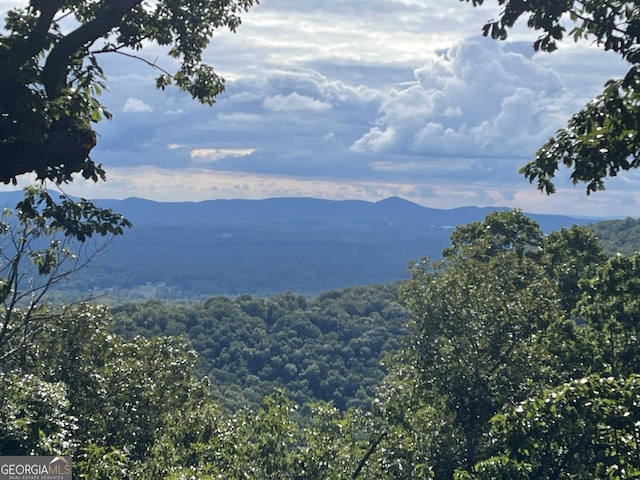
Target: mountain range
262,247
308,210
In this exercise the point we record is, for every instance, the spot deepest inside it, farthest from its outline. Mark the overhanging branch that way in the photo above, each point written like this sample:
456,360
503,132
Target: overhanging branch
54,75
37,40
67,149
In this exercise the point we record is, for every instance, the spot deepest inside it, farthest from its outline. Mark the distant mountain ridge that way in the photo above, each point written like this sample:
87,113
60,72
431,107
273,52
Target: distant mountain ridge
300,210
309,210
263,247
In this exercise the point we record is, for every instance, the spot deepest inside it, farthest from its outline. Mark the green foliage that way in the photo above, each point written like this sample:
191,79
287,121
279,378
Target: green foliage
569,255
500,231
43,352
325,348
611,309
618,236
277,440
83,391
478,342
557,324
135,409
40,248
420,429
521,363
34,416
51,78
79,219
602,139
584,429
490,328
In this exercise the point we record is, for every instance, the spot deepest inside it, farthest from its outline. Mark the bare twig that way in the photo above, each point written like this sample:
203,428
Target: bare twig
135,57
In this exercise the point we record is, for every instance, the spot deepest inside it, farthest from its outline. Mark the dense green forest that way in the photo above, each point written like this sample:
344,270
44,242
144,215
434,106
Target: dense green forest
618,236
326,348
512,356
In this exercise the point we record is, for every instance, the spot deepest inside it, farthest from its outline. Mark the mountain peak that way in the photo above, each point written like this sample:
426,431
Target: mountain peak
393,200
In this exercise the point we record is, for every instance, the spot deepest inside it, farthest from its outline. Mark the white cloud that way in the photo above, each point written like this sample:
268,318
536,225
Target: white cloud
376,140
358,98
294,102
477,98
205,155
201,184
135,105
238,117
294,33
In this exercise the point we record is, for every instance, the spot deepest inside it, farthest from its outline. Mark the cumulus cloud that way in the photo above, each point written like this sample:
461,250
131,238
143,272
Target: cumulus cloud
362,99
476,99
135,105
294,102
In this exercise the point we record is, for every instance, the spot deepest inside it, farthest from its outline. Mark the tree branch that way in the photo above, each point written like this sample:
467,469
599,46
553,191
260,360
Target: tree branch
54,75
372,449
68,149
36,42
135,57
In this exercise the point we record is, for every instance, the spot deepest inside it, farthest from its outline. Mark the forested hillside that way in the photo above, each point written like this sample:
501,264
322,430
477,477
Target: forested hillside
325,348
618,236
513,356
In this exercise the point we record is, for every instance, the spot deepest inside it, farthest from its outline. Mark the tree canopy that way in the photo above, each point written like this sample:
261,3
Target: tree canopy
601,140
520,362
51,76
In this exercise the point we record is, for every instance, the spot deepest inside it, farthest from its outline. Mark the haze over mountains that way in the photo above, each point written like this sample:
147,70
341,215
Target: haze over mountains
308,210
262,247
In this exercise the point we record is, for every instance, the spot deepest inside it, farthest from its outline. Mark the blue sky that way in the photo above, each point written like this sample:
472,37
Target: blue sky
344,99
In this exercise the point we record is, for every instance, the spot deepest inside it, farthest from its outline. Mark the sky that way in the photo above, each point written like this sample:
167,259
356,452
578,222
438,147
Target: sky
346,99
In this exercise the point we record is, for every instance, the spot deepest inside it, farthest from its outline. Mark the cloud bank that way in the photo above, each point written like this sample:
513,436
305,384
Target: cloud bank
344,99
